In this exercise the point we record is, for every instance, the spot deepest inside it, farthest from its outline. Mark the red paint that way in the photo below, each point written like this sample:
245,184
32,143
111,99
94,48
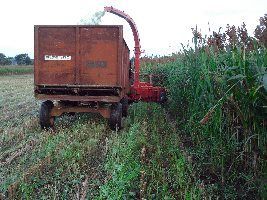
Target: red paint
140,91
146,92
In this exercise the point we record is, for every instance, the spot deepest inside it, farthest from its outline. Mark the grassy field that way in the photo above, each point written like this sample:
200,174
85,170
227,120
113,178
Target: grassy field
16,69
83,158
155,156
36,163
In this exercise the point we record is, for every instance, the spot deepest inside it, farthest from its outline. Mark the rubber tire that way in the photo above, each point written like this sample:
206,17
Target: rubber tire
46,120
125,107
115,120
163,97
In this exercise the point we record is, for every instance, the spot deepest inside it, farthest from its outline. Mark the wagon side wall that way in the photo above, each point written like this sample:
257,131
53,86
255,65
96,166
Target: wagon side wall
81,56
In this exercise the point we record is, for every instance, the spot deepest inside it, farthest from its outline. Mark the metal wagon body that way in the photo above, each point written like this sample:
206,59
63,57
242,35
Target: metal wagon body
82,69
87,69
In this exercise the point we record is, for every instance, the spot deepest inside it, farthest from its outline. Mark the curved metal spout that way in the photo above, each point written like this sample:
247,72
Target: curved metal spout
137,46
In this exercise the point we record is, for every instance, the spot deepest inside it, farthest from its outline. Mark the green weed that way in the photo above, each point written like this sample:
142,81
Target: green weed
145,160
9,70
218,99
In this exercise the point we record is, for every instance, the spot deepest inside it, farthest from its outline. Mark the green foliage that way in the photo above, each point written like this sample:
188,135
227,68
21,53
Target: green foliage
261,31
123,165
219,101
9,70
23,59
43,164
145,161
5,60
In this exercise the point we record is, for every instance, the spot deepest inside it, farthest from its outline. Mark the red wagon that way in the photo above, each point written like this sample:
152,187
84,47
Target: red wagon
86,69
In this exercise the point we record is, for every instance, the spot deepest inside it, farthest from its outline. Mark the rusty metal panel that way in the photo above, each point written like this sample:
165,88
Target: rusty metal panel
99,49
126,68
81,56
55,55
108,99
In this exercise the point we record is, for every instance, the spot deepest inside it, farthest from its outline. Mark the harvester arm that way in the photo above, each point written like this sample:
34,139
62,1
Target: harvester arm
137,47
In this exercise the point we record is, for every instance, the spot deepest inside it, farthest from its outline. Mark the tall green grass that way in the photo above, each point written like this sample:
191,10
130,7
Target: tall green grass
145,160
219,102
9,70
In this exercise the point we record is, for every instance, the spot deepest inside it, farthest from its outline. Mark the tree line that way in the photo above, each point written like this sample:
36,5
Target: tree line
20,59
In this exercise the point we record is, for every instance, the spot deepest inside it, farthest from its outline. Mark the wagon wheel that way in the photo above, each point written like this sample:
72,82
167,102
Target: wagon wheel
163,97
115,120
46,120
125,106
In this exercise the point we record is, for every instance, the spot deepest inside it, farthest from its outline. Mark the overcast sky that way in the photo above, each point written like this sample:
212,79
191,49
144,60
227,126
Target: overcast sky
162,25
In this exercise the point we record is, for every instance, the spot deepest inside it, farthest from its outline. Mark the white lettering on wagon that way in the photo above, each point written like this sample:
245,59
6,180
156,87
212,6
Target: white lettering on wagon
52,57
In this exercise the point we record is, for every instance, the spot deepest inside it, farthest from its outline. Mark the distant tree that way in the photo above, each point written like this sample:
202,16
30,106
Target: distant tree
261,31
10,60
23,59
4,60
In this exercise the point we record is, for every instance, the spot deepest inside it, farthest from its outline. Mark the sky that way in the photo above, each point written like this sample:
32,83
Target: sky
162,25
